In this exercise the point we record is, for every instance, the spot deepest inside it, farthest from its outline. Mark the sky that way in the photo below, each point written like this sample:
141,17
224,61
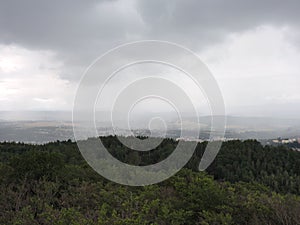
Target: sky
251,47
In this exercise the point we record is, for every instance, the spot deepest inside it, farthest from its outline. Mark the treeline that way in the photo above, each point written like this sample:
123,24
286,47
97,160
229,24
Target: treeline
246,184
248,161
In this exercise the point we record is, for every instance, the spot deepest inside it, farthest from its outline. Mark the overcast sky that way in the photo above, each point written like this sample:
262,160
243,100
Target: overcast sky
251,47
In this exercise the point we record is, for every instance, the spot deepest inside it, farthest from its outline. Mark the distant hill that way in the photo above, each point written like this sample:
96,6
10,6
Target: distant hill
45,126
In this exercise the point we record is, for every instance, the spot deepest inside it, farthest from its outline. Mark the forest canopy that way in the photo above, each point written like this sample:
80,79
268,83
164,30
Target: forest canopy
52,184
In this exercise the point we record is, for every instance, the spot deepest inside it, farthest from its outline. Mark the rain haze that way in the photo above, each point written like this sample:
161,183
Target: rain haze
252,49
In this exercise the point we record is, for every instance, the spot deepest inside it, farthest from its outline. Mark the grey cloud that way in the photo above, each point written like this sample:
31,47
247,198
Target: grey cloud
210,20
52,24
79,31
76,30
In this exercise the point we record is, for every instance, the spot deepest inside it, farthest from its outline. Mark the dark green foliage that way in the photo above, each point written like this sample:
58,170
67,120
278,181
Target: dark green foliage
36,165
246,184
276,167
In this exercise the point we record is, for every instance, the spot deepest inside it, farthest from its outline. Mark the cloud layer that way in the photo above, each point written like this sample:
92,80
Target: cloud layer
252,47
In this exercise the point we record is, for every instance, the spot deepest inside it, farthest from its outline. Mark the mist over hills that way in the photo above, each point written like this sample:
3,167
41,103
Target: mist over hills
35,115
46,126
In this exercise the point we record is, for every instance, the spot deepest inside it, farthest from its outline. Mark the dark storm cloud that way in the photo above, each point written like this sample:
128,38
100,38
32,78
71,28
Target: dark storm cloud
211,20
79,31
57,24
76,30
266,34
